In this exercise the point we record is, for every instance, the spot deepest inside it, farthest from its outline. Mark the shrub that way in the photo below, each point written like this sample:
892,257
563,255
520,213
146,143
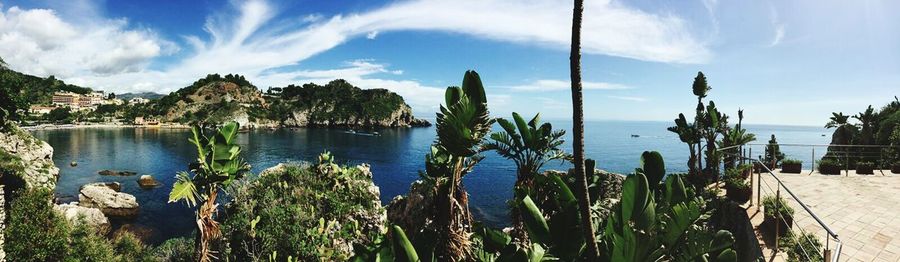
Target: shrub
865,167
308,212
130,248
738,190
87,245
175,250
802,247
34,231
829,166
783,209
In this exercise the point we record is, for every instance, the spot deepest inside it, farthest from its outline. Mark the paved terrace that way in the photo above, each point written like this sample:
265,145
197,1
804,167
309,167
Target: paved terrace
864,211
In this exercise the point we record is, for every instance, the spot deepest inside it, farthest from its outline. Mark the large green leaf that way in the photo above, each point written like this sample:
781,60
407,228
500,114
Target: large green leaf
403,249
654,167
534,221
184,189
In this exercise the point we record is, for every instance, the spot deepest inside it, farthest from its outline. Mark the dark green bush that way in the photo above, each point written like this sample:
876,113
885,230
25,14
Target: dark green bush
802,247
308,212
175,250
34,232
829,166
783,209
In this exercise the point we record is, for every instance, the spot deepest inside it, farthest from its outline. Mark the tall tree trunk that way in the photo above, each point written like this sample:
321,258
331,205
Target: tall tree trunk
587,228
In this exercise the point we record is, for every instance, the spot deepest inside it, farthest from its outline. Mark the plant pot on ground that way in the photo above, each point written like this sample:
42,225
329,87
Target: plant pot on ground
738,190
865,168
761,168
791,166
777,214
745,170
895,168
829,166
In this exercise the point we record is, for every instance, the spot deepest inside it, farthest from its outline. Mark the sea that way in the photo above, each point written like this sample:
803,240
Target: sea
396,157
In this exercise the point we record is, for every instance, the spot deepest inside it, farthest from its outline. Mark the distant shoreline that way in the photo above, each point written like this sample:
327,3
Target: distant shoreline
107,125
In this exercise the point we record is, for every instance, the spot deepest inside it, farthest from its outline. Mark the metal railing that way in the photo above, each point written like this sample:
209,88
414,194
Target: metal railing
830,236
883,157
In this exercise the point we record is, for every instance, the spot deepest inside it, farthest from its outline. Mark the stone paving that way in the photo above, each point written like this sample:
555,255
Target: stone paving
863,210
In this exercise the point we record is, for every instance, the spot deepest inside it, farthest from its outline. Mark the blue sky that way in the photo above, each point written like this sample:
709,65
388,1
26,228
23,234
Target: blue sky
784,62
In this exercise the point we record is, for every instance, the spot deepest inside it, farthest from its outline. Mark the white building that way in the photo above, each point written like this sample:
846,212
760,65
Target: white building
138,100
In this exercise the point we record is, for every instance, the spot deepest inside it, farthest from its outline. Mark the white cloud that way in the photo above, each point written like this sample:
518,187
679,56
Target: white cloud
777,25
629,98
253,39
38,41
557,85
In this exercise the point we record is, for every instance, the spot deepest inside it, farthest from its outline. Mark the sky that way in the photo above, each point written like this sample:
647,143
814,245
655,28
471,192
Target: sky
783,62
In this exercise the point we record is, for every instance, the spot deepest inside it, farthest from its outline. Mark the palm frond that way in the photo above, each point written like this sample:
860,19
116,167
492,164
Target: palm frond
184,189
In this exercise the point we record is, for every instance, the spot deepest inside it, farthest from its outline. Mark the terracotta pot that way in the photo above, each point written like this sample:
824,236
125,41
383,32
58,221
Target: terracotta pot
791,168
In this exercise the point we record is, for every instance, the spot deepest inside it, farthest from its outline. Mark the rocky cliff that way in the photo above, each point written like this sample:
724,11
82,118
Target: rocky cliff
28,161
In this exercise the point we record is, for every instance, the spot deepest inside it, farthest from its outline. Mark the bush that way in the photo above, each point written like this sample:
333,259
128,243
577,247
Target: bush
175,250
865,168
308,212
777,211
791,166
738,190
829,166
802,247
34,231
37,233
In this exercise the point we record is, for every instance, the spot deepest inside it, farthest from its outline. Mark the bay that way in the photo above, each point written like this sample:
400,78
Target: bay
396,157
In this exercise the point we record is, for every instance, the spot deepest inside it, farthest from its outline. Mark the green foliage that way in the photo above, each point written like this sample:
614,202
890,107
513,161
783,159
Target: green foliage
777,208
836,120
700,87
347,101
34,232
773,153
175,250
218,164
60,114
802,247
307,212
530,145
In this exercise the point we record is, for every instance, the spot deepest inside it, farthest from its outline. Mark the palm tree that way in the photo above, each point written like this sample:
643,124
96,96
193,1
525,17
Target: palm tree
462,124
532,146
218,164
578,133
837,120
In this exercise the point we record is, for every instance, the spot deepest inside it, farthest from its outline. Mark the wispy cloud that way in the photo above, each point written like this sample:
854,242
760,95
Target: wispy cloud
629,98
252,38
777,25
557,85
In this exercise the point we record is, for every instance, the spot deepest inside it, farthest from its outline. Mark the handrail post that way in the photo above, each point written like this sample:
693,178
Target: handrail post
777,215
812,163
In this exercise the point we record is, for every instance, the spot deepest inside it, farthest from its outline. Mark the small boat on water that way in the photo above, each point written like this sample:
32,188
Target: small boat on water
362,133
635,135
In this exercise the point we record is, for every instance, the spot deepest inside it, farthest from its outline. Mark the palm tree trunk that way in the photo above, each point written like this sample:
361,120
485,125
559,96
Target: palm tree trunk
587,228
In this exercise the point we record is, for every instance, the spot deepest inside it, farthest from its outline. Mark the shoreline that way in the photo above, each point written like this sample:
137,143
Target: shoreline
106,125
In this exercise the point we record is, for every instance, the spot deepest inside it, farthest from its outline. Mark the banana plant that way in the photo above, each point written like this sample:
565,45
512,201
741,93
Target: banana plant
462,125
690,135
529,145
218,165
737,136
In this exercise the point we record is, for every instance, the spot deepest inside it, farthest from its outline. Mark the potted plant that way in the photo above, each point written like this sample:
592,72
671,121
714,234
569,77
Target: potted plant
745,170
895,168
777,213
799,246
738,190
829,166
791,166
865,167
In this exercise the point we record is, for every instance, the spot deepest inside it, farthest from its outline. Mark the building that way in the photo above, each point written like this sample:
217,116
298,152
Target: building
139,120
138,100
66,99
114,101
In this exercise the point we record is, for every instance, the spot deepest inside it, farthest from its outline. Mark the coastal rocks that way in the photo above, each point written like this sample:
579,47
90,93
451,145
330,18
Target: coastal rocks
108,199
400,117
90,216
35,157
412,212
147,182
116,173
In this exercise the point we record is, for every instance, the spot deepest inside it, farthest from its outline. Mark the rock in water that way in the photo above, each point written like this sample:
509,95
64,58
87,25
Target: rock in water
116,173
78,214
147,181
108,199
